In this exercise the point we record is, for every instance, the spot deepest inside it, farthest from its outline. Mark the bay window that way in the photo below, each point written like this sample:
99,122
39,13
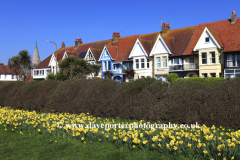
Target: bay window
164,61
137,63
212,57
204,58
142,63
158,62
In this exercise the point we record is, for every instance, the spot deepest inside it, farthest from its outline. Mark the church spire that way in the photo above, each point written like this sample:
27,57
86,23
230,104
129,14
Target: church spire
36,58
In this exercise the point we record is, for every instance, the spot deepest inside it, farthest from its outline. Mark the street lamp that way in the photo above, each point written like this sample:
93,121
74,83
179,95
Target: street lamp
56,54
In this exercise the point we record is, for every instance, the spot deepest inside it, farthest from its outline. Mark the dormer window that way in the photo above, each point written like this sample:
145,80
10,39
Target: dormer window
207,40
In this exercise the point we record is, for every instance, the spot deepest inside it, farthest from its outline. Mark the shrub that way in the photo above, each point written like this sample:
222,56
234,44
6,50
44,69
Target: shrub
138,85
51,76
194,75
172,77
184,102
203,80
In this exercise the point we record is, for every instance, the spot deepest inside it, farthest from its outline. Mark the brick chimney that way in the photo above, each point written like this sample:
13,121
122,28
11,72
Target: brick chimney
78,42
233,17
165,28
115,37
1,64
63,45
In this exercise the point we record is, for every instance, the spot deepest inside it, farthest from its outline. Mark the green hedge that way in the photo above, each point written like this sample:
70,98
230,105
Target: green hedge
202,80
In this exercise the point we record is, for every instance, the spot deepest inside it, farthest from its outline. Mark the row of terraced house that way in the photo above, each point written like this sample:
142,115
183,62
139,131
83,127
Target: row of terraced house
207,50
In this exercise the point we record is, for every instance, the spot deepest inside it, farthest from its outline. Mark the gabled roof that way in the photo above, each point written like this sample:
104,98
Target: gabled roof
45,62
98,45
5,69
216,35
96,53
71,54
124,46
177,40
148,40
226,34
72,50
113,51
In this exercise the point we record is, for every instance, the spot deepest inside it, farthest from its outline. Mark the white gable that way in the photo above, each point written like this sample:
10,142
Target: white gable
105,54
89,56
65,55
160,47
202,44
137,50
52,61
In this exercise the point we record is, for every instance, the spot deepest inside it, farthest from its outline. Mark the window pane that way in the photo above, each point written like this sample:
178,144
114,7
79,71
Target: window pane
229,71
204,61
158,59
176,61
204,55
109,65
137,63
207,39
148,63
164,61
213,74
142,63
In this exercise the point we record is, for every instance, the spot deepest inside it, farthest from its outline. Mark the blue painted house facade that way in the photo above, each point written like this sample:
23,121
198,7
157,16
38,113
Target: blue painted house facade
106,61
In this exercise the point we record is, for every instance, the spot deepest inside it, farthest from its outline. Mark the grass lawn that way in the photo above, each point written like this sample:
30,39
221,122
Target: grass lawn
37,146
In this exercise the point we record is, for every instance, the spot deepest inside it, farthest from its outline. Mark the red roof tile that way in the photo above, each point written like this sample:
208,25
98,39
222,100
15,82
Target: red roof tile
113,51
5,69
45,62
148,40
96,53
177,40
224,32
124,45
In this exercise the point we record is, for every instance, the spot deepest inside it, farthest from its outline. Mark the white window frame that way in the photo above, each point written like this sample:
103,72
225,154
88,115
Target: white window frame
137,63
206,39
164,61
204,58
211,58
106,53
142,63
158,62
148,63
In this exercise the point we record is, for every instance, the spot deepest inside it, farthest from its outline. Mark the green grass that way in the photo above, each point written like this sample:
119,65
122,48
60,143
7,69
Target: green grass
38,146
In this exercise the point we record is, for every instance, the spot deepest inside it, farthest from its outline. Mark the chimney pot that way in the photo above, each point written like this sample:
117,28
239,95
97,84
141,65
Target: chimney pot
165,28
78,42
233,17
63,45
115,36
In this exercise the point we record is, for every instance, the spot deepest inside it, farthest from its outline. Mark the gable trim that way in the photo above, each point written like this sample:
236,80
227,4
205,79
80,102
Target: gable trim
164,45
105,48
89,52
206,30
53,56
134,47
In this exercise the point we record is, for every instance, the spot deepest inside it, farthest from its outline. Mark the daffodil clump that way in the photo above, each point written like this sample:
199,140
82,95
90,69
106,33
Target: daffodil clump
205,142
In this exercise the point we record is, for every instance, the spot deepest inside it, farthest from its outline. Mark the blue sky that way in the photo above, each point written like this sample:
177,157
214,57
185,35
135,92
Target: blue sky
25,21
